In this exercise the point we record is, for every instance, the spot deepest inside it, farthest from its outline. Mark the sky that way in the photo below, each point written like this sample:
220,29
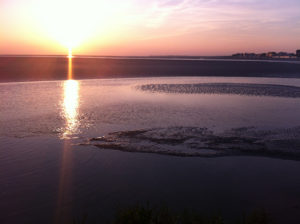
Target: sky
148,27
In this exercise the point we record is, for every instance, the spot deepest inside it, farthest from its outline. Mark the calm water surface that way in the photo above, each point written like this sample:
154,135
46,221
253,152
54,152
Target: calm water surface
48,176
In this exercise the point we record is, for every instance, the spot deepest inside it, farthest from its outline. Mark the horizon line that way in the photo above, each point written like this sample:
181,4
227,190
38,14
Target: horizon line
132,56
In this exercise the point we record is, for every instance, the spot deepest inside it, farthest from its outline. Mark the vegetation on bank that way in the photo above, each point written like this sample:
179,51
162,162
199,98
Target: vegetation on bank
145,214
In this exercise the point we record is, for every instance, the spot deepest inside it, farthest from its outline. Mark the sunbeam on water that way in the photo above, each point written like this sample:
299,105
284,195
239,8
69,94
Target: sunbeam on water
70,69
70,107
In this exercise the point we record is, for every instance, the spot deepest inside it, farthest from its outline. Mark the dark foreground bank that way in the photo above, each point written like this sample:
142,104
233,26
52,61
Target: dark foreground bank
56,68
162,214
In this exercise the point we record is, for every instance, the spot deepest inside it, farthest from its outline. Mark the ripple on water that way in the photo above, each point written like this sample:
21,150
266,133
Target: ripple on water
225,88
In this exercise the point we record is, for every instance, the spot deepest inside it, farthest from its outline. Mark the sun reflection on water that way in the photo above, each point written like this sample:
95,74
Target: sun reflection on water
69,112
70,102
70,107
70,68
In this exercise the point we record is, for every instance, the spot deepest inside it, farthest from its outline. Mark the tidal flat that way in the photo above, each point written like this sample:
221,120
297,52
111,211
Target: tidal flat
228,144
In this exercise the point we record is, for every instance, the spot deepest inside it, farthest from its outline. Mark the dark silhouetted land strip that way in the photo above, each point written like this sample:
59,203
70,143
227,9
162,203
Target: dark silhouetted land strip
56,68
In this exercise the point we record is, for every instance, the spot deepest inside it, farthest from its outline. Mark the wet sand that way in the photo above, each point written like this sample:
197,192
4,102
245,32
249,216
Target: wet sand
56,68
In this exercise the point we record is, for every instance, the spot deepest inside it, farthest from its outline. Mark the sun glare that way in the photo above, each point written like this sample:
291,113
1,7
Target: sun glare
72,22
70,53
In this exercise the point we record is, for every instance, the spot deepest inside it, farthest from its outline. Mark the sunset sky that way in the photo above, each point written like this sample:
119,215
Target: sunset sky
148,27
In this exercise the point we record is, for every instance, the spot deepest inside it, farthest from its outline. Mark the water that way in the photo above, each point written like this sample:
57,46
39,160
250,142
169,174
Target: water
51,169
89,108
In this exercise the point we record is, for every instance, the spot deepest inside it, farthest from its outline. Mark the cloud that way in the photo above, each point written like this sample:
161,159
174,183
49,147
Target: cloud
184,16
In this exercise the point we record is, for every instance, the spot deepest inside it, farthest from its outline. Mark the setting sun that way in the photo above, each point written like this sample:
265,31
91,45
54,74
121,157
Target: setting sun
70,53
68,22
73,23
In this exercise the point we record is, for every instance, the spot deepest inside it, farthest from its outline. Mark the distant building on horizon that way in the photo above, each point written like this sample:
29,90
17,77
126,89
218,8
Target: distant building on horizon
272,54
269,55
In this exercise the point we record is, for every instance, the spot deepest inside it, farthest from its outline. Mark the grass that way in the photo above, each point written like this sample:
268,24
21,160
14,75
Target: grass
146,214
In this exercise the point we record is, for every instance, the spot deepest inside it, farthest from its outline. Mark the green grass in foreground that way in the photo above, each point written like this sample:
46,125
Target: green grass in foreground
145,214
